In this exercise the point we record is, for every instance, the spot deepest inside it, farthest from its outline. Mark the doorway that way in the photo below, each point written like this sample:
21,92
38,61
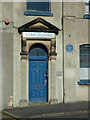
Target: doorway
38,80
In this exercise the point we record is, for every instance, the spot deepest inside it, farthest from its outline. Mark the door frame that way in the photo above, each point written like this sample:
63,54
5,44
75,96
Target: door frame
49,44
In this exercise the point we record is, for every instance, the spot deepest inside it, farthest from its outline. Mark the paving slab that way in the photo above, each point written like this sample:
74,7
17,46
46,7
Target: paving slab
0,115
39,111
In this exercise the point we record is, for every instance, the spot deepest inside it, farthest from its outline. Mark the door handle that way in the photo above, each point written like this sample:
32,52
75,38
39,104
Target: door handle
45,75
45,82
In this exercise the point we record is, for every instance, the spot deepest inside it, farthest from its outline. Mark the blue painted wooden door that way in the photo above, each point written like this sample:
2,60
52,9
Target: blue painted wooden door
37,81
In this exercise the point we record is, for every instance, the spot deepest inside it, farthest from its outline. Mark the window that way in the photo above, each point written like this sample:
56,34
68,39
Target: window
87,9
84,64
85,56
38,8
37,51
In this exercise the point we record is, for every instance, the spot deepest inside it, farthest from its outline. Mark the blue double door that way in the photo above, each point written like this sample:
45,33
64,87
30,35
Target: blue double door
38,81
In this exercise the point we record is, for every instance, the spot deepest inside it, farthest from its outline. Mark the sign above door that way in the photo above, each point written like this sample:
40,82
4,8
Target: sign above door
38,35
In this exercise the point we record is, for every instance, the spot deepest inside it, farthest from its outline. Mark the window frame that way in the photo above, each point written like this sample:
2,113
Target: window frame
87,10
40,10
39,13
82,47
84,81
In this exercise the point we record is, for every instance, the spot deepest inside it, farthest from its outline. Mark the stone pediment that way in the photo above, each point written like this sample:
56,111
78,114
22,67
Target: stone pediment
38,25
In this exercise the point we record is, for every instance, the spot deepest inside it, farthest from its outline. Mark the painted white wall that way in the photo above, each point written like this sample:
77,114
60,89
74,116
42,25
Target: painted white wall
19,82
0,59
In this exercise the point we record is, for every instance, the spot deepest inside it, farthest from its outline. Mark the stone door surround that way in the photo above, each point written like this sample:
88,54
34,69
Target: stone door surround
41,27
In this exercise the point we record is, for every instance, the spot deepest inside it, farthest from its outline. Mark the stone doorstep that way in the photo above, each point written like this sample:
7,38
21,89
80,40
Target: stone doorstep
38,104
24,103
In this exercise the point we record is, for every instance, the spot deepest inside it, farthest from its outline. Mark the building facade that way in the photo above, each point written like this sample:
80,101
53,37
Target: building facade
45,52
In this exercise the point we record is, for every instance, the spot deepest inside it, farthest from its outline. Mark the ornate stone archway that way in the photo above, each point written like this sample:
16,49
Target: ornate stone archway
42,32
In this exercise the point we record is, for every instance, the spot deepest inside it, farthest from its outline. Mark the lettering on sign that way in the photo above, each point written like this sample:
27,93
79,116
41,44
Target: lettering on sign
38,35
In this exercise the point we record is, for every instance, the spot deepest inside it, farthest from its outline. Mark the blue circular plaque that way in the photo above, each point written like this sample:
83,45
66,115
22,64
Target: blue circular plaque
69,47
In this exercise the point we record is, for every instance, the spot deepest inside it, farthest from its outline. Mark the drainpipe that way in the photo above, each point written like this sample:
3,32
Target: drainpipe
63,48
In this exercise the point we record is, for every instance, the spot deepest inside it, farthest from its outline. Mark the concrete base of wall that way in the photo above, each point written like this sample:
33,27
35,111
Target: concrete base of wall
23,103
53,101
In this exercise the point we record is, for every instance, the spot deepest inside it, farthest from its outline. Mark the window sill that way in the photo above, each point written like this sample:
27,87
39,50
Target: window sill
84,66
38,13
84,82
87,16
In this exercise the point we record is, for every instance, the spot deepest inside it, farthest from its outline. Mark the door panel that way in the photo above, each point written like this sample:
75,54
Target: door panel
41,94
37,81
33,77
33,94
41,75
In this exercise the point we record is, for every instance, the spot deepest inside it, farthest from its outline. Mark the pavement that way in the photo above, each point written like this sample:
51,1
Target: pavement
49,110
0,115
